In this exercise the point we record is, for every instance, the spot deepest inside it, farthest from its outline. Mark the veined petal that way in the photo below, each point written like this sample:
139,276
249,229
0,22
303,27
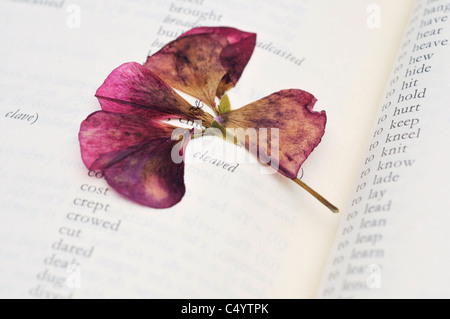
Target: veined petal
234,57
300,128
133,89
104,133
148,175
204,62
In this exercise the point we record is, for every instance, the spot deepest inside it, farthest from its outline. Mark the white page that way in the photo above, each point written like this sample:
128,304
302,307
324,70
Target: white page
233,235
393,241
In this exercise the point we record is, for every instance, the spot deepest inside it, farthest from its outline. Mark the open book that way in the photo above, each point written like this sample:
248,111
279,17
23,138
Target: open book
378,68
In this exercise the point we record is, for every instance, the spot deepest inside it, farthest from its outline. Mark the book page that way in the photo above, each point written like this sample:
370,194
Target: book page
237,233
393,240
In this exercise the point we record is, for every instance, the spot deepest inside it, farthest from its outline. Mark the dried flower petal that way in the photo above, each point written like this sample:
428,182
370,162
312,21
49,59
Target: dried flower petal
104,133
148,176
204,62
291,111
234,57
135,155
133,89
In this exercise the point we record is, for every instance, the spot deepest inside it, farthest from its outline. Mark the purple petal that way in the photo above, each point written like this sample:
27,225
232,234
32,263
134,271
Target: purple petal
148,175
300,128
104,133
133,89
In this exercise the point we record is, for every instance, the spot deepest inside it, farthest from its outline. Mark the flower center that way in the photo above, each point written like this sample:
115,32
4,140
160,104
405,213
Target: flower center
219,119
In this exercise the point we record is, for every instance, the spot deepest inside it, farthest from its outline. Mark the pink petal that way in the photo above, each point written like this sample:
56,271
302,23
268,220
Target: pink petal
300,128
204,62
104,133
133,89
148,175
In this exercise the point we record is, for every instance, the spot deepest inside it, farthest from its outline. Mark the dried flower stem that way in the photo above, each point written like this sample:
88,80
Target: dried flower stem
319,197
